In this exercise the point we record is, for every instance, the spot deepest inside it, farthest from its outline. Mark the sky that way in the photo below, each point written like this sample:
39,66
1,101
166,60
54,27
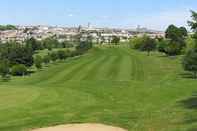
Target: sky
153,14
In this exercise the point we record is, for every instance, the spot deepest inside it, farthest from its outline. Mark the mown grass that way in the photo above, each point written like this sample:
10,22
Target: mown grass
111,85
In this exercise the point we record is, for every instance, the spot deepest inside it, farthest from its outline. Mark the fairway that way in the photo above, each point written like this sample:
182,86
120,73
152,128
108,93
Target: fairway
109,85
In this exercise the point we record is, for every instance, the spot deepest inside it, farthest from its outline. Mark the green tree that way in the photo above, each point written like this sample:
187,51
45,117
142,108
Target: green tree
54,56
190,62
148,44
19,70
33,44
190,59
4,68
176,37
193,25
115,40
38,61
61,55
47,59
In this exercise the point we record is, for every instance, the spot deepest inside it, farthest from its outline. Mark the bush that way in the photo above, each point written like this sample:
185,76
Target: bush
4,68
190,62
136,42
38,62
19,70
54,56
61,55
47,59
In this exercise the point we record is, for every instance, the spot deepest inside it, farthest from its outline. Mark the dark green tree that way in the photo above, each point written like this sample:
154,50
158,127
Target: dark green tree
4,68
47,59
61,55
148,44
19,70
190,62
115,40
54,56
176,37
38,61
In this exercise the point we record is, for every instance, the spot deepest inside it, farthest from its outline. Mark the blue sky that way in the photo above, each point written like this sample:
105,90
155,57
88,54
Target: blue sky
155,14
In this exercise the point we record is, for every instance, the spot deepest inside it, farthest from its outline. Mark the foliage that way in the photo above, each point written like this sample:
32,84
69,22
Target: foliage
19,70
115,40
38,61
7,27
54,56
176,37
143,43
17,53
61,55
33,44
4,68
46,59
190,62
83,46
50,43
148,44
136,42
162,45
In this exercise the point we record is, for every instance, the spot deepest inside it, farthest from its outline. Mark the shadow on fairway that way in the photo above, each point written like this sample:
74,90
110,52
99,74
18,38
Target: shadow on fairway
187,75
190,117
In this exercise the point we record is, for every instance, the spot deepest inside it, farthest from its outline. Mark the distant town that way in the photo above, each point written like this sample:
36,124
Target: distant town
99,35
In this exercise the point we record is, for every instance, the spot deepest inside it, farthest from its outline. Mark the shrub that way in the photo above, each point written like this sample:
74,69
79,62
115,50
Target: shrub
54,56
190,62
47,59
19,70
4,68
61,55
38,62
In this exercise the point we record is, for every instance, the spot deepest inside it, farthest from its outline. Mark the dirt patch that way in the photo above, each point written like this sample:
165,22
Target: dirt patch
81,127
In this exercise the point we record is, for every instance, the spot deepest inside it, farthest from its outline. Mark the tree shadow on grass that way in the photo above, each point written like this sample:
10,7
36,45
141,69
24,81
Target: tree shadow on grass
187,75
191,102
190,117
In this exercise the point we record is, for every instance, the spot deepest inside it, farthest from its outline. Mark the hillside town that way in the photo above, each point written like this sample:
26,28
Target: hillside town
99,35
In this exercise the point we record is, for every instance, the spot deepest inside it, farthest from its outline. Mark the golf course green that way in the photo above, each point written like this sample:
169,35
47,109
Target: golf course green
110,85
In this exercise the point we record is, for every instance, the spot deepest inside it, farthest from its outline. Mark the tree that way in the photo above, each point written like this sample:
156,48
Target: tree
190,62
115,40
190,59
38,62
54,56
4,68
61,55
47,59
193,25
17,53
19,70
33,44
176,37
193,22
148,45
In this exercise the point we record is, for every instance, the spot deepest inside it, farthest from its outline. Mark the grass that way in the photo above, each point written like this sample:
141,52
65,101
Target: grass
111,85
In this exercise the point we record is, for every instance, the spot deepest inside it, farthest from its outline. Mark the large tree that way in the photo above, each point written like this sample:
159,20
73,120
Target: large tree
176,37
190,62
4,68
190,59
148,44
193,25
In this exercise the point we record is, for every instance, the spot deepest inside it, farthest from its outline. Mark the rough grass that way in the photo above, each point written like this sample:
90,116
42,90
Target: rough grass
111,85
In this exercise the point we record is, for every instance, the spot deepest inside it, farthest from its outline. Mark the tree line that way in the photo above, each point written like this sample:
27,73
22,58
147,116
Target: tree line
16,58
175,42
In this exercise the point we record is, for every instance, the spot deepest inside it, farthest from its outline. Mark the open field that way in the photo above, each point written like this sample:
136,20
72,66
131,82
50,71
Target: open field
110,85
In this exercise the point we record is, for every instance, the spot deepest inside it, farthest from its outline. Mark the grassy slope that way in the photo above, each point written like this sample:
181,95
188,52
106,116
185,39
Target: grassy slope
116,86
